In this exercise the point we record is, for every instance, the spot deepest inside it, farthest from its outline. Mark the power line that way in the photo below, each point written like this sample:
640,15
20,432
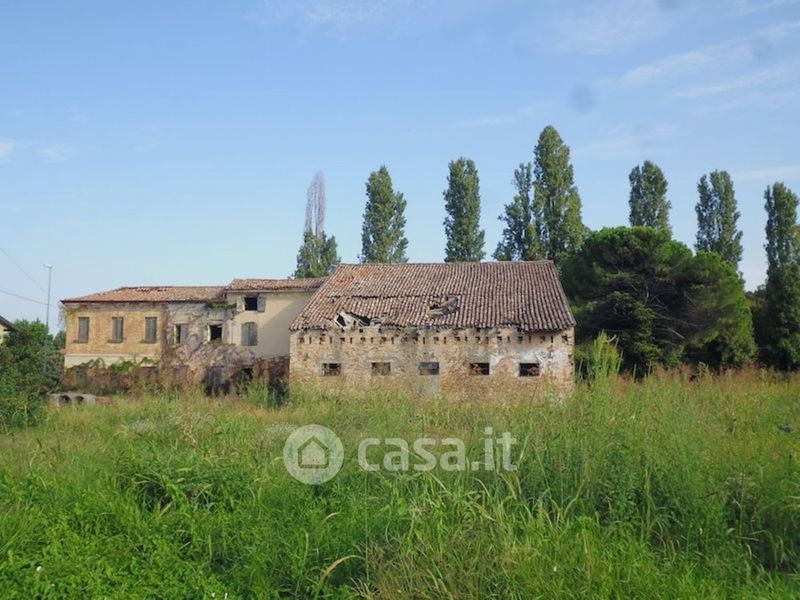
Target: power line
23,297
24,272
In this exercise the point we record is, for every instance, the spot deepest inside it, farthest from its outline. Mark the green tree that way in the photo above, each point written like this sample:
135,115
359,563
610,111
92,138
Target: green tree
648,202
462,201
383,233
318,254
717,217
662,303
782,291
521,234
556,197
30,365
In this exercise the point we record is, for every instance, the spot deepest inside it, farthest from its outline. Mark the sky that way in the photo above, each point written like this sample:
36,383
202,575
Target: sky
157,142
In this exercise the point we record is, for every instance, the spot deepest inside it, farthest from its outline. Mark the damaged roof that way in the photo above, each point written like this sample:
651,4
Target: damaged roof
154,293
274,285
527,295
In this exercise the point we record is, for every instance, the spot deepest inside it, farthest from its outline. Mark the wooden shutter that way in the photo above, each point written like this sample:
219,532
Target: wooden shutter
262,303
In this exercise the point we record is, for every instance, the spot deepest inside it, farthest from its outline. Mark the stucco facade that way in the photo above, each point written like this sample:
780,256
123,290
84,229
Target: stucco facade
198,327
273,314
5,328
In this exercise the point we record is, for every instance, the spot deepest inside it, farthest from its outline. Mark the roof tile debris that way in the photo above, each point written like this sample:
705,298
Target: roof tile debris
527,295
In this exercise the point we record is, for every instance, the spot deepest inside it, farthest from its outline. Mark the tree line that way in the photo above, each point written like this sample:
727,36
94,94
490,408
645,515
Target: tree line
663,303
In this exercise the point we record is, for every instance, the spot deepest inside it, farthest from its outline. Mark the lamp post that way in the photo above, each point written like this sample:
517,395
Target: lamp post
49,281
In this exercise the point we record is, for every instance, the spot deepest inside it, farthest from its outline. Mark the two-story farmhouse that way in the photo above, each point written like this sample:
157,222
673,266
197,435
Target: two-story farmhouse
436,327
201,326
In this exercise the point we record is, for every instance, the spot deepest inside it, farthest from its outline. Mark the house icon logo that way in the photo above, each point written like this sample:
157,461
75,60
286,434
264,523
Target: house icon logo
313,454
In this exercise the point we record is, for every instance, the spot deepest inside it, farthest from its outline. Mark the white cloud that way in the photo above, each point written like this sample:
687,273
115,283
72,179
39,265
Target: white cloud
771,77
339,15
6,147
55,151
627,143
747,7
769,174
499,119
717,57
609,25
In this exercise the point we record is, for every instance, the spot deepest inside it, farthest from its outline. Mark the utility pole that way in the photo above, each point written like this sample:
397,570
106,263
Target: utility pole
47,319
49,281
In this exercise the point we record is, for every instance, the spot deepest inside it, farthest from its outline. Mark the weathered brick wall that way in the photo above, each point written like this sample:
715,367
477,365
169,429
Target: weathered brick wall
503,349
99,345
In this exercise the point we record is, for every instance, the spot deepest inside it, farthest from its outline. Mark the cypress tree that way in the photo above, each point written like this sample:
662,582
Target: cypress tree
462,200
717,218
383,232
782,293
556,197
648,202
520,239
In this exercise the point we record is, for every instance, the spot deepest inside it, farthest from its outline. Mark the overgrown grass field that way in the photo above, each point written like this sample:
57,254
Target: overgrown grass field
666,488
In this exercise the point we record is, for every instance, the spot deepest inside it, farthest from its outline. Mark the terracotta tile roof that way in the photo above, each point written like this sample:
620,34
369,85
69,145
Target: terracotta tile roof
309,284
527,295
6,323
154,293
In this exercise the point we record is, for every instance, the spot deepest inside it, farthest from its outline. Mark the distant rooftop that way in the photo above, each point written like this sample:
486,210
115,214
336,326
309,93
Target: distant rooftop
309,284
154,293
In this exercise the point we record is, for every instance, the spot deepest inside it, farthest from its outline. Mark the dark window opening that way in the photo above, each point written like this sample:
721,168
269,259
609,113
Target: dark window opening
181,333
150,329
565,339
429,368
479,368
251,303
117,329
331,369
83,329
381,368
249,334
215,333
529,370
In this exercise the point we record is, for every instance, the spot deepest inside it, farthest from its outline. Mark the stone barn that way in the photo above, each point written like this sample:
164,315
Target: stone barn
440,327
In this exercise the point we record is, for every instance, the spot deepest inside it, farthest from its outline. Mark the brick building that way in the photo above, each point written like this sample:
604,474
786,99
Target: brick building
436,327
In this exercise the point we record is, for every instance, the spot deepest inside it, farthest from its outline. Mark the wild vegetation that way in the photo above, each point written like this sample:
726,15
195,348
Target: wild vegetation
669,487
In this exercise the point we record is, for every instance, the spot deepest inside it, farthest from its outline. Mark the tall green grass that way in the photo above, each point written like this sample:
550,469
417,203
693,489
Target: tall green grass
666,488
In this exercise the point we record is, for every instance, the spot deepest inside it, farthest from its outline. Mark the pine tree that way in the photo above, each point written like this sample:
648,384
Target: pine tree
383,233
782,293
520,239
648,202
556,197
462,200
318,254
717,217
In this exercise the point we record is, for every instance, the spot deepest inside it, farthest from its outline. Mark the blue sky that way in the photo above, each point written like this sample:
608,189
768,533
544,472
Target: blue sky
173,142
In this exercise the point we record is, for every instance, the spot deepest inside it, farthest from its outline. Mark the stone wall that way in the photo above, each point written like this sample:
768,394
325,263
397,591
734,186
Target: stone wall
100,345
461,355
